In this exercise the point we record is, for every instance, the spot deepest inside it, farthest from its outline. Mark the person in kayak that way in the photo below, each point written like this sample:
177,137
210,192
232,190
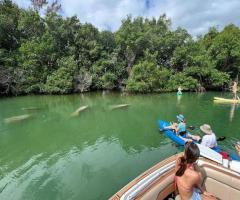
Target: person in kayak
234,90
180,129
209,139
188,176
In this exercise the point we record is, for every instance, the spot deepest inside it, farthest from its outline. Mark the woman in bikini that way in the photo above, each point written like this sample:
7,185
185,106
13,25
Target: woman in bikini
188,177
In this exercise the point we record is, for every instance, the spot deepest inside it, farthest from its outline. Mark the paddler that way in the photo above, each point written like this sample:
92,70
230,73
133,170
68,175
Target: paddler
179,91
182,132
180,127
209,139
234,91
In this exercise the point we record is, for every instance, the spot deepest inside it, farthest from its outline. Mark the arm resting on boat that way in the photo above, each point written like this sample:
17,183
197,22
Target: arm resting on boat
206,195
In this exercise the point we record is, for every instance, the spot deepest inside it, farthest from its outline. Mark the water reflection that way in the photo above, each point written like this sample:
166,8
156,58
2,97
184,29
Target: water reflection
232,111
69,174
179,97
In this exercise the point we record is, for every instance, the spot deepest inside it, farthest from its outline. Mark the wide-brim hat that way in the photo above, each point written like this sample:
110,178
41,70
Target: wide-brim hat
205,128
180,118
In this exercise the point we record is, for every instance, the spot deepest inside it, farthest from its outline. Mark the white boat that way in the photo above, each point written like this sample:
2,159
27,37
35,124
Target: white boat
220,177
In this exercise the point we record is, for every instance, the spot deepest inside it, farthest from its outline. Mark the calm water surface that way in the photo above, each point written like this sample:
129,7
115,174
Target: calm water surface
54,156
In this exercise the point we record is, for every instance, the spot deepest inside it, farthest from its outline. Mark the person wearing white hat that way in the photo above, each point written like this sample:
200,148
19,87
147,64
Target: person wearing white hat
209,139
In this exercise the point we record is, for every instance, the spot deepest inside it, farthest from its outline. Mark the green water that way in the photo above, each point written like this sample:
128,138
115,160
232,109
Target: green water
55,156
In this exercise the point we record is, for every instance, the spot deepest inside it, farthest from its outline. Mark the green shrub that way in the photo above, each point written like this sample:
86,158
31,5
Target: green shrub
61,81
180,79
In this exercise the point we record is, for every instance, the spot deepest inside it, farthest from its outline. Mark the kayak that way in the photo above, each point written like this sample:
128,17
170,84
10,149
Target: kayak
178,140
223,100
170,134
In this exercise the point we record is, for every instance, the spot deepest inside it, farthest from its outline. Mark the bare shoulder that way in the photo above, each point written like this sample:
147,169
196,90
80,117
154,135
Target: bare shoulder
195,176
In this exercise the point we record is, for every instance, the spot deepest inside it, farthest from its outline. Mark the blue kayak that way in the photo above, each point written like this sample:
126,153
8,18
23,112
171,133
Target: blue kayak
171,135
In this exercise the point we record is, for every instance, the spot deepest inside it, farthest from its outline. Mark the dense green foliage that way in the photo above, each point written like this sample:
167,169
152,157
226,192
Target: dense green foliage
52,54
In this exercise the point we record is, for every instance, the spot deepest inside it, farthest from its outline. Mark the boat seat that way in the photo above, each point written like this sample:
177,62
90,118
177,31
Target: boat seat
223,186
223,183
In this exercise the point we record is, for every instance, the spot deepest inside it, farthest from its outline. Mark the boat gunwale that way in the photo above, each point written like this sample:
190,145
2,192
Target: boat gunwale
158,165
204,162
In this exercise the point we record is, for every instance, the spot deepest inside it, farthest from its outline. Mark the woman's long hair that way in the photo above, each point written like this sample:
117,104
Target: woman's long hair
191,154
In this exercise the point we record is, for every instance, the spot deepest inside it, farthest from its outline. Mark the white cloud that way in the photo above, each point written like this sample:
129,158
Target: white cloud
103,13
194,15
23,3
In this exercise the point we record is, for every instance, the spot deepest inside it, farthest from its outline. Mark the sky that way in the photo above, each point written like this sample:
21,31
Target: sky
194,15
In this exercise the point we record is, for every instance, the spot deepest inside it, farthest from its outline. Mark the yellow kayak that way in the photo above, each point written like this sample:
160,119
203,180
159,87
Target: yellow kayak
222,100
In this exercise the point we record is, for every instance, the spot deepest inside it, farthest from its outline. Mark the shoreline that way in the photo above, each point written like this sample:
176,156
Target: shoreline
110,91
